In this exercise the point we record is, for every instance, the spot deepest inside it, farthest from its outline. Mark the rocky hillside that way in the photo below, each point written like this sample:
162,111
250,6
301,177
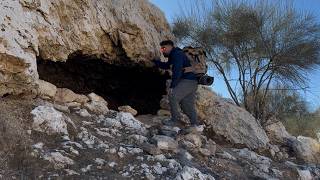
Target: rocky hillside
43,139
80,99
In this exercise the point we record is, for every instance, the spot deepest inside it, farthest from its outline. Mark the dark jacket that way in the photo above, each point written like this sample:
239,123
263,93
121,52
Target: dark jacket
178,60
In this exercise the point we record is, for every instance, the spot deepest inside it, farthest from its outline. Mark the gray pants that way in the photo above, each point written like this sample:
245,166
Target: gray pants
184,93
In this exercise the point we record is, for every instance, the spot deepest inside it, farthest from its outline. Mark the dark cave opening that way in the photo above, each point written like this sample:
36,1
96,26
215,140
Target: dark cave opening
119,84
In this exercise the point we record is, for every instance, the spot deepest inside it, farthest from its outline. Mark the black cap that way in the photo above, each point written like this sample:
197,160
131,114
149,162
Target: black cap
166,42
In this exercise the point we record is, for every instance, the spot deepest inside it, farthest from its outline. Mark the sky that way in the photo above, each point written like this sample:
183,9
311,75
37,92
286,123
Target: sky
171,8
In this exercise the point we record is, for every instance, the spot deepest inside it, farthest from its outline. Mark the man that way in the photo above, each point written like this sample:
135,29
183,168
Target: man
183,86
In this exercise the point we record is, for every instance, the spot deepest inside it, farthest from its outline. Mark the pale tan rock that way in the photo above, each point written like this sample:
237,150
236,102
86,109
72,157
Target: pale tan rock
164,103
61,108
166,143
307,149
97,104
97,107
49,30
82,99
95,97
128,109
205,152
46,90
163,112
211,146
65,95
194,139
73,105
277,133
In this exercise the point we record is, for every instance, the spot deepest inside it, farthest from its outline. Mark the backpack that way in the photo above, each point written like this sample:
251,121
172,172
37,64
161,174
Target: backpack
198,60
197,57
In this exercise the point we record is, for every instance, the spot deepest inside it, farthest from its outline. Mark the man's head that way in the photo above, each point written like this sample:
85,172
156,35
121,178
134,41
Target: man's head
166,47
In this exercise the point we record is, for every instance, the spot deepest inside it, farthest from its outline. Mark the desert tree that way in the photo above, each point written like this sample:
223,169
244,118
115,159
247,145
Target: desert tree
253,46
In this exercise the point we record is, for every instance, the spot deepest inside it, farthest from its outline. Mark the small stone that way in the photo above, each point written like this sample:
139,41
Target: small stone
226,155
277,173
112,164
166,143
99,161
163,112
73,151
73,105
305,174
82,99
65,138
130,122
59,161
65,95
103,133
61,108
204,152
149,176
140,158
123,150
108,122
38,145
120,154
71,172
126,174
84,113
158,169
135,151
29,132
139,139
112,151
187,155
95,97
86,169
189,173
128,109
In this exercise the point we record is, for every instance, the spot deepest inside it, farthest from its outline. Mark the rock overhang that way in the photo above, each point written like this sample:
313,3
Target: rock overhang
54,30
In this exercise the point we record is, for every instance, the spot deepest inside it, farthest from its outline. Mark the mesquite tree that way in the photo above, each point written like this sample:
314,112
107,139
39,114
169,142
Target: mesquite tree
253,46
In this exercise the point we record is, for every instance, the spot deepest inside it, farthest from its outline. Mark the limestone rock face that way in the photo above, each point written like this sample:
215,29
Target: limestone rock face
230,121
55,29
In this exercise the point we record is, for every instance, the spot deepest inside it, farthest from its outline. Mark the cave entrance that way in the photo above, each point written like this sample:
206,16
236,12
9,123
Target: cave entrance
119,84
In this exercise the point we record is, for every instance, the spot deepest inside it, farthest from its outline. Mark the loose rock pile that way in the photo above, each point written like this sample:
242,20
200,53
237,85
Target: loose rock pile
115,144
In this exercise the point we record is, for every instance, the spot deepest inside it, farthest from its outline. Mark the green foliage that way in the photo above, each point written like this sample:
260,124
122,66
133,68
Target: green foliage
306,125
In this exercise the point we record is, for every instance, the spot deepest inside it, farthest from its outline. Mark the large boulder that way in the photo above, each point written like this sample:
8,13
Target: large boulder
46,90
55,29
225,119
307,149
278,133
47,119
